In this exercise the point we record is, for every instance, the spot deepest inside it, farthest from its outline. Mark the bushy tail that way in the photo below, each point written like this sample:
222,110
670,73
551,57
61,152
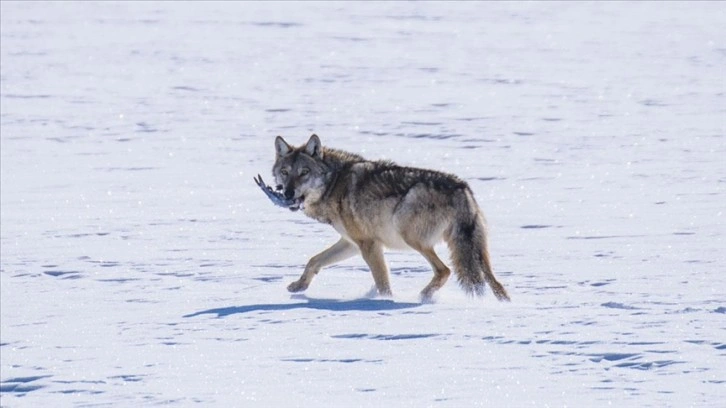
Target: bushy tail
470,256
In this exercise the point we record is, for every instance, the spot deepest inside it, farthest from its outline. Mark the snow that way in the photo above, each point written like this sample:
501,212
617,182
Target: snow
142,266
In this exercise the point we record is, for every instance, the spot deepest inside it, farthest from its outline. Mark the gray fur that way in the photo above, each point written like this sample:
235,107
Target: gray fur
377,204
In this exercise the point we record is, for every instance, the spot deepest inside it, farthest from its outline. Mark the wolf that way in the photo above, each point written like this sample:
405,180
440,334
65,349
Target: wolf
378,204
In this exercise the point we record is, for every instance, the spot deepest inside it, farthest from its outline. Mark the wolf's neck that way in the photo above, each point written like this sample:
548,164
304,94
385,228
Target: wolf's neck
331,185
337,159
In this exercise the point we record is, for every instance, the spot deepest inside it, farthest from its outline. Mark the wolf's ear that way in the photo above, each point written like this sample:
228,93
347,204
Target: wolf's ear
281,146
314,147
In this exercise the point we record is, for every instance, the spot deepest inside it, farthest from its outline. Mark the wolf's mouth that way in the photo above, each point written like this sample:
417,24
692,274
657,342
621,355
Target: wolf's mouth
277,197
297,204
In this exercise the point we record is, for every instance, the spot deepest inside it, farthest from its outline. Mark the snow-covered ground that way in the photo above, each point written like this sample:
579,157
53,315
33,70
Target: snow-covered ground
141,266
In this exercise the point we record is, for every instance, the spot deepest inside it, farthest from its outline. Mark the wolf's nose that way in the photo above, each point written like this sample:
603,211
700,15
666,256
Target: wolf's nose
289,194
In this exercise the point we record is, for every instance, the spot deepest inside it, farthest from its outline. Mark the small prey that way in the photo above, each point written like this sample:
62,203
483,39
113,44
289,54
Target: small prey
275,196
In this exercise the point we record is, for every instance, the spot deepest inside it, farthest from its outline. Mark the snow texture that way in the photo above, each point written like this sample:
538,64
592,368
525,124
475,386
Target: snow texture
142,266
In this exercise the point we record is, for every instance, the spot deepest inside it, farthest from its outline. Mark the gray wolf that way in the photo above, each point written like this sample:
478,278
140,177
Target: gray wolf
378,204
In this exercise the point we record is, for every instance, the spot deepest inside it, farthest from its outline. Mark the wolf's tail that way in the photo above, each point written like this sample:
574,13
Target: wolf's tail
469,254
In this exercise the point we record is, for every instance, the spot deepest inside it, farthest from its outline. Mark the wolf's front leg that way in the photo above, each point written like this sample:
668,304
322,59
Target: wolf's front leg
373,255
341,250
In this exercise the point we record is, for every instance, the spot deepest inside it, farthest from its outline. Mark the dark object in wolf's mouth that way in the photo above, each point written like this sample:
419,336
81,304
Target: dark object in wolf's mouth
274,196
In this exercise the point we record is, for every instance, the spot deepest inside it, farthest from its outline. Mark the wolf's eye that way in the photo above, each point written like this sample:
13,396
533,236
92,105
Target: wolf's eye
284,173
304,172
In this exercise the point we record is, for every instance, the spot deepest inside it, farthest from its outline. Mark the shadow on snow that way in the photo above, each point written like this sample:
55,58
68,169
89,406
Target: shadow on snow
360,305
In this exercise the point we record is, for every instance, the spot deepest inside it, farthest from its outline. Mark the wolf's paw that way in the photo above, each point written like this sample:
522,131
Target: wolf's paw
297,286
427,297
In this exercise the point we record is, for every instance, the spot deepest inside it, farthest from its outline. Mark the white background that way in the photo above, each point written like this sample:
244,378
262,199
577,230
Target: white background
141,266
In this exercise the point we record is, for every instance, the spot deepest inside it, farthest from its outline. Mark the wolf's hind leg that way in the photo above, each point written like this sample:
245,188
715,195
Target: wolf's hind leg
441,271
341,250
373,255
441,274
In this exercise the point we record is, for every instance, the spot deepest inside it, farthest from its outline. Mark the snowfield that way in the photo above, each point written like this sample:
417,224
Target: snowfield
142,266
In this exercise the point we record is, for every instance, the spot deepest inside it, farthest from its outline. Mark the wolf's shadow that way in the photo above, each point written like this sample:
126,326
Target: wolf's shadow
360,305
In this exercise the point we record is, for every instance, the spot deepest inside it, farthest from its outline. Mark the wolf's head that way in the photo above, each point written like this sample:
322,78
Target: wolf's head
300,172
